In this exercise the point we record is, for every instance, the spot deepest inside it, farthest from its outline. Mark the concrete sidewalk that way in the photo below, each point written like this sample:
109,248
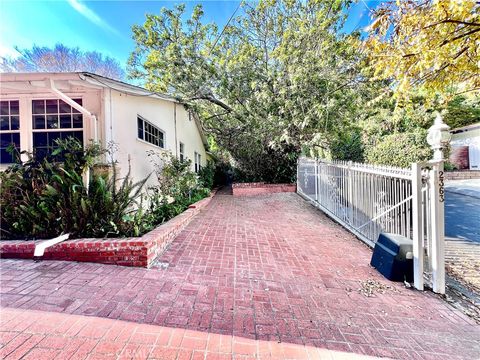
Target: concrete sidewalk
462,230
263,269
462,209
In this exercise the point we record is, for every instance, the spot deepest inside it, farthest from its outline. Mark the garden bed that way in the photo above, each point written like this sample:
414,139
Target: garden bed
138,252
258,188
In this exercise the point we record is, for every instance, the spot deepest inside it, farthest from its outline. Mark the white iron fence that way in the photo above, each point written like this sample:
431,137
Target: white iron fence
368,200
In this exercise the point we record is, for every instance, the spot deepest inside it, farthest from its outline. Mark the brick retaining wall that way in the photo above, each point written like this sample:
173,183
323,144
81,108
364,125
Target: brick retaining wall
258,188
462,175
459,157
139,251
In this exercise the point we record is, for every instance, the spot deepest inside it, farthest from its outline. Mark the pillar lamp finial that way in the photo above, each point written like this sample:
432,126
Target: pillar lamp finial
438,137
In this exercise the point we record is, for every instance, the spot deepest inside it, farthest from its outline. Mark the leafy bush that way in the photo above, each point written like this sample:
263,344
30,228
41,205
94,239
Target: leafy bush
462,111
207,174
400,149
175,179
178,187
347,146
43,198
448,166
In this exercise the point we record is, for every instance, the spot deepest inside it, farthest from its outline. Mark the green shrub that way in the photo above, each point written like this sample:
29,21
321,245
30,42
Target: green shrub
400,149
207,174
43,198
462,111
347,146
178,187
175,179
448,166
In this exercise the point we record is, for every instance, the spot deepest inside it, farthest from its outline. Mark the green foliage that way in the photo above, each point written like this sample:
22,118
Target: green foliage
207,174
178,187
400,149
43,198
175,179
282,78
448,166
462,111
348,146
278,78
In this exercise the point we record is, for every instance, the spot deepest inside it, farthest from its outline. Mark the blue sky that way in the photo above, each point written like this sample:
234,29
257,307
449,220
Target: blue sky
105,26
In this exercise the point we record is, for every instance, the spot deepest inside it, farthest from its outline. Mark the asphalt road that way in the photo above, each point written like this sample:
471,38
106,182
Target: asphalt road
462,209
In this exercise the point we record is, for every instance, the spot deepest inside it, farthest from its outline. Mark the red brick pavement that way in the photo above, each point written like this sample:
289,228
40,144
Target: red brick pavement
269,268
39,335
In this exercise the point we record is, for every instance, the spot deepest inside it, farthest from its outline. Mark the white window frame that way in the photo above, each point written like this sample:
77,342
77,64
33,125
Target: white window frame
31,114
18,131
164,140
181,151
198,163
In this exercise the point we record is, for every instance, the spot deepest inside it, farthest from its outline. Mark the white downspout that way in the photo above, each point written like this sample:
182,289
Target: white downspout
40,247
88,114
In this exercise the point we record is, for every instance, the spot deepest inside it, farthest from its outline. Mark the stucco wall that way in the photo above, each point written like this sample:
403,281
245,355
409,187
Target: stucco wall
466,138
189,135
121,127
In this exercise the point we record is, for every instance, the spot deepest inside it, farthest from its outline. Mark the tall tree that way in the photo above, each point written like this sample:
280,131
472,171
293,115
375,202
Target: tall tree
427,44
62,58
277,78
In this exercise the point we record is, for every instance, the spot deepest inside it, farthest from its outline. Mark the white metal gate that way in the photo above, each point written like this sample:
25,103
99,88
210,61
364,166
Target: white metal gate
368,199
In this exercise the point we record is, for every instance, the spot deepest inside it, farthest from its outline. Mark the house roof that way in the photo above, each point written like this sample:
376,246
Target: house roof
124,87
466,128
37,79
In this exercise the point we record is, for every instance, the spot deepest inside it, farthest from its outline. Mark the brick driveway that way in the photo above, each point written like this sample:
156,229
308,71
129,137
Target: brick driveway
270,268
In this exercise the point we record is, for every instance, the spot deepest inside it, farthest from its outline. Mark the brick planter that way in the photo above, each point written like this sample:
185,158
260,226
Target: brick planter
252,189
462,175
139,251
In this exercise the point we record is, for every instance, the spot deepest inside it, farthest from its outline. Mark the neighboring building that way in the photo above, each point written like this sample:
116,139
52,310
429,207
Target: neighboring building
465,143
37,108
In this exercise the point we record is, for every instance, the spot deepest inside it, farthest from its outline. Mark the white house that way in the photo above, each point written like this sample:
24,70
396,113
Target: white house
465,145
37,108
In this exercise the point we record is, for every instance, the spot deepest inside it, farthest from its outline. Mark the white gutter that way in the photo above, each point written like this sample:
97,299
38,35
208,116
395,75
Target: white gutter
40,248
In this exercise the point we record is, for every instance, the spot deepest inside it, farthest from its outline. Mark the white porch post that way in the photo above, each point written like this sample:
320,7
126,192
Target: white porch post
438,230
438,138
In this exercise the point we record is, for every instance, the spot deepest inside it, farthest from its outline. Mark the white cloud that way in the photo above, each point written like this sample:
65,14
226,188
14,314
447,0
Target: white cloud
91,15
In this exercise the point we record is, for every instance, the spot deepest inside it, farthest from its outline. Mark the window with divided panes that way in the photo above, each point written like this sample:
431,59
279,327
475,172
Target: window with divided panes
54,119
9,129
198,161
150,133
